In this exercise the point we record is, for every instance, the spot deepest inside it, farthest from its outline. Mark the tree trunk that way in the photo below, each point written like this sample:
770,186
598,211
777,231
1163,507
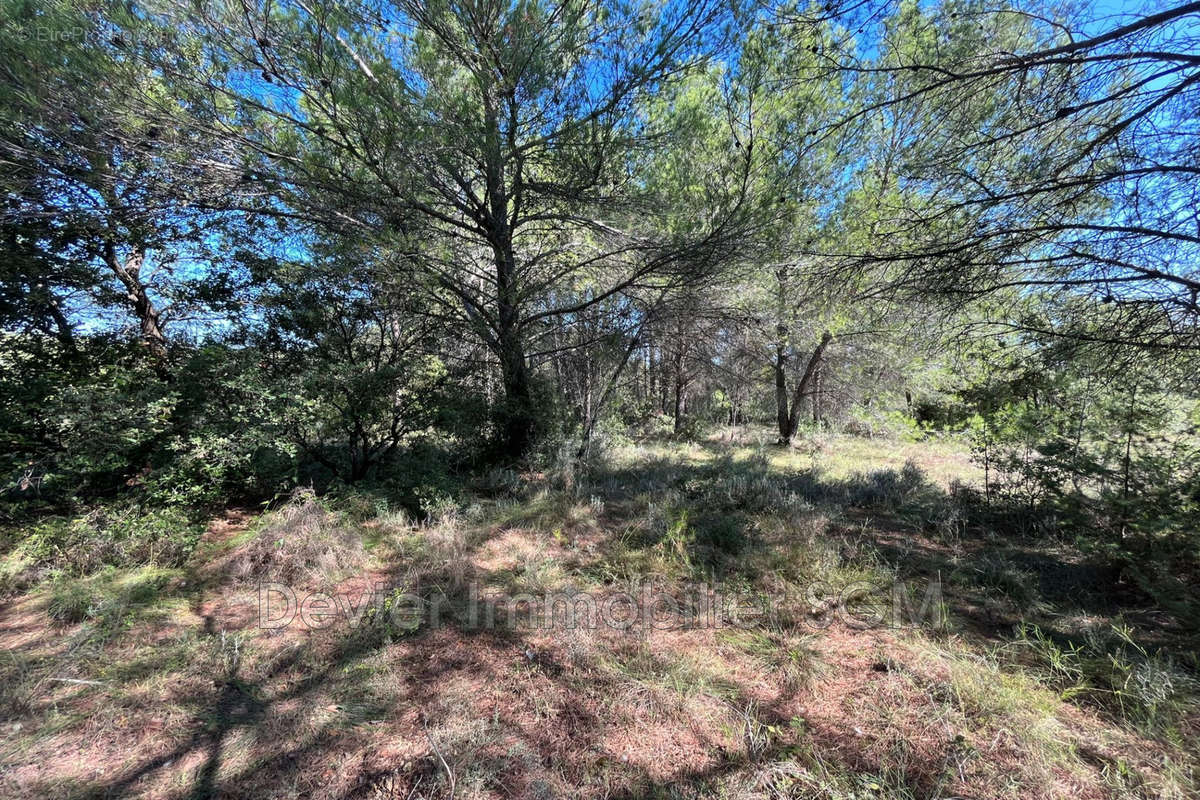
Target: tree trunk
814,361
516,414
789,418
651,374
678,410
594,414
128,272
781,396
816,395
516,417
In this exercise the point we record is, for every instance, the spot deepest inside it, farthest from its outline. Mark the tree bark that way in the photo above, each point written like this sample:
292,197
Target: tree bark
789,418
816,394
128,272
679,406
781,396
516,417
516,412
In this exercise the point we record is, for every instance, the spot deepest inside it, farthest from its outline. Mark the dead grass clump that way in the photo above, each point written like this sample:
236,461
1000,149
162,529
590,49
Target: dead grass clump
303,541
20,687
438,554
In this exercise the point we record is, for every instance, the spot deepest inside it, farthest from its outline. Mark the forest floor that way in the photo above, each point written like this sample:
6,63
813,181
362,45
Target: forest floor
824,667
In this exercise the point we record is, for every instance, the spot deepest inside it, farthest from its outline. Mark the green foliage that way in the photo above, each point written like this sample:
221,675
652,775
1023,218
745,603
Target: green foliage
1101,455
1110,669
84,427
115,535
227,441
420,248
71,602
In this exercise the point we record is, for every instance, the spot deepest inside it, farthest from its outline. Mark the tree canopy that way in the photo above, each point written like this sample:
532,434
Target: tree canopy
514,227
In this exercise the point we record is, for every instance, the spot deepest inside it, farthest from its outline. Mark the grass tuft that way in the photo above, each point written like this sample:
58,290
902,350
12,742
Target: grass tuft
304,541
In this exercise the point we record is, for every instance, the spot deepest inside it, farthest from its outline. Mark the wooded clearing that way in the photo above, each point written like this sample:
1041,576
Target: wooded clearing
580,398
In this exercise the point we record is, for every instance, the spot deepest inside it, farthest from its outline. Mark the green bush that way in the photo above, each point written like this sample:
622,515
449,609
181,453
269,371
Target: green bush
116,536
71,601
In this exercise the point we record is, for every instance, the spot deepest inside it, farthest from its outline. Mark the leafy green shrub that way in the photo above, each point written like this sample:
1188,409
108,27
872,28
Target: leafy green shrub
611,434
422,480
208,468
659,425
117,536
83,428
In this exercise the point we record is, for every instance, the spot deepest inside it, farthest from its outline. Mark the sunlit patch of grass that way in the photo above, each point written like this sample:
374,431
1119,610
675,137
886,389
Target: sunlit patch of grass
811,774
986,697
560,516
789,659
532,575
682,675
840,456
680,453
783,760
758,644
304,540
109,596
14,565
211,548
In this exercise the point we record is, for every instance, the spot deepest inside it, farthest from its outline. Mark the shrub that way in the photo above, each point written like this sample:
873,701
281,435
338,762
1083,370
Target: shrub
115,536
71,601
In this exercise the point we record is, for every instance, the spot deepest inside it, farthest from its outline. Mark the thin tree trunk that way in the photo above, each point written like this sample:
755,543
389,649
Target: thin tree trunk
816,395
781,395
789,414
814,361
677,359
590,423
128,272
1126,462
651,373
678,409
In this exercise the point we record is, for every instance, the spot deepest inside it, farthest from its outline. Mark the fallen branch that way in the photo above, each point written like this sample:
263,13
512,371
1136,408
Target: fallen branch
441,758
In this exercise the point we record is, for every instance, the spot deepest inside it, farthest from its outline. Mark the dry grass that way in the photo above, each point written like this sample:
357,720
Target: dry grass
303,542
174,695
